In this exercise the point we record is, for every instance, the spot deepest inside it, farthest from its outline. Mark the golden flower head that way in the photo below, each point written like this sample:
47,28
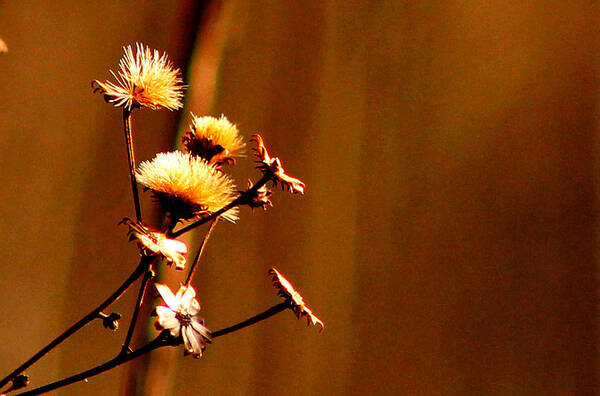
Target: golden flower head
146,79
286,290
271,166
215,139
187,186
3,47
154,242
180,317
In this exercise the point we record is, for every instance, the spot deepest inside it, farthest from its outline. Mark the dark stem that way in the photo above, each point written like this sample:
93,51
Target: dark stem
131,158
238,201
117,361
144,262
257,318
200,251
136,311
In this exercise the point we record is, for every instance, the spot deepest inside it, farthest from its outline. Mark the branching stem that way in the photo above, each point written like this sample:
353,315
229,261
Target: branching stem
238,201
131,158
141,268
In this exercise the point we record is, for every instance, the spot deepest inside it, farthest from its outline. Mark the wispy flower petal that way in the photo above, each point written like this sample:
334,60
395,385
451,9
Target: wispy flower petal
215,139
187,186
145,79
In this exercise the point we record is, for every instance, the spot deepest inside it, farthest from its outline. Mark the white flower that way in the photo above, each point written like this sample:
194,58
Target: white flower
179,316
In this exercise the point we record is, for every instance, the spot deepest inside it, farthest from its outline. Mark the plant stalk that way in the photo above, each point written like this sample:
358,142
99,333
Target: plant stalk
257,318
238,201
131,158
117,361
141,268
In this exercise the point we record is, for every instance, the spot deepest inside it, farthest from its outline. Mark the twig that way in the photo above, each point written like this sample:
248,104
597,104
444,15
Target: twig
257,318
238,201
141,268
136,311
131,158
158,342
200,251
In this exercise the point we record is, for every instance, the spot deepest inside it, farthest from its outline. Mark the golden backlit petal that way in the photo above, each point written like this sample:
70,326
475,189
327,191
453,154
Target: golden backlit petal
3,47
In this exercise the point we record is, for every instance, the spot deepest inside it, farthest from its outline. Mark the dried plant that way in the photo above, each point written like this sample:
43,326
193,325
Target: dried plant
192,189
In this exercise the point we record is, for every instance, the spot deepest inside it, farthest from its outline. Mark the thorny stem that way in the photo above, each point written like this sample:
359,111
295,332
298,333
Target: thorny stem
158,342
200,251
136,311
141,268
238,201
131,158
257,318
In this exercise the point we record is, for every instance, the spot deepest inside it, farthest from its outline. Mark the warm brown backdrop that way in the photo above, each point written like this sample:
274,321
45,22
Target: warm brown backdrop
448,236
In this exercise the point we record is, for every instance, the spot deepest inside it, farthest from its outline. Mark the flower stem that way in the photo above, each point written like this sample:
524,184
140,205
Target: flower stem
131,158
200,251
257,318
158,342
144,262
238,201
136,311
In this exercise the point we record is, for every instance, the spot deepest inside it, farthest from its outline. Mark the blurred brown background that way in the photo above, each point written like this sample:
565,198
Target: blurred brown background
448,235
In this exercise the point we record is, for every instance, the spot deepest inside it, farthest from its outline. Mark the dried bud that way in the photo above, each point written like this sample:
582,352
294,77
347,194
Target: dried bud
271,166
111,321
259,198
20,381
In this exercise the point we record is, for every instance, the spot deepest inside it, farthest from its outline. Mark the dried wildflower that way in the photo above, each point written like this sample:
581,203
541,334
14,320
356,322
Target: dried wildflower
260,198
187,186
179,316
215,139
271,166
3,47
146,79
154,242
286,290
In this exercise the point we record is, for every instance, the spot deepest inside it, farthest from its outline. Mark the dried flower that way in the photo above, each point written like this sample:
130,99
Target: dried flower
154,242
146,79
286,290
3,47
272,167
215,139
260,198
179,316
187,186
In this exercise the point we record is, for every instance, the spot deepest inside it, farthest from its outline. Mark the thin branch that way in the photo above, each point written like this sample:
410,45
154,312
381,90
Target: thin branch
141,268
131,158
238,201
200,251
158,342
257,318
136,311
